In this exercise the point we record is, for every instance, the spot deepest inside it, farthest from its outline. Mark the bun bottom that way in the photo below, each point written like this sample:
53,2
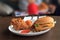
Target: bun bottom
44,27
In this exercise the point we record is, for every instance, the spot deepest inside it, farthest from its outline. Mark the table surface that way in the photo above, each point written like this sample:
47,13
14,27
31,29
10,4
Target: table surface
5,34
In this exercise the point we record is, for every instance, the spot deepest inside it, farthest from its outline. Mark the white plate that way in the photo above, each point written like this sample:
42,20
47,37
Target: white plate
28,34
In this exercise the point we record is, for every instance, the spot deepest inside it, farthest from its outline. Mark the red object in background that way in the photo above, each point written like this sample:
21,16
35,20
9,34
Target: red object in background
33,9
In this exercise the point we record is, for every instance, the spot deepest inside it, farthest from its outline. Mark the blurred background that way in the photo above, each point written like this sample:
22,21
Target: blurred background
20,7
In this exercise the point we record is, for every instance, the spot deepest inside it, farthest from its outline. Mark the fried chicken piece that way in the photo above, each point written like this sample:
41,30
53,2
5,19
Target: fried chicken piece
19,24
29,23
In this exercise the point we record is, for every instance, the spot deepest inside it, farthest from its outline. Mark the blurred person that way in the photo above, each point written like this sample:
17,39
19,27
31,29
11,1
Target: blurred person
57,4
12,3
47,1
52,7
24,3
38,2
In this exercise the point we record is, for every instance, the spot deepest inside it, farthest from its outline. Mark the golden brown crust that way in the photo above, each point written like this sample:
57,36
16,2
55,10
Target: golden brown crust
19,24
46,19
29,23
40,24
44,23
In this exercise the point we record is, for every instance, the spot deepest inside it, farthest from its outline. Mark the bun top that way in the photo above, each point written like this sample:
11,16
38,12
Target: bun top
46,19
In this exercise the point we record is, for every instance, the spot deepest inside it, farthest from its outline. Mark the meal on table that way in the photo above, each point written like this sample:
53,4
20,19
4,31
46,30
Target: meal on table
40,24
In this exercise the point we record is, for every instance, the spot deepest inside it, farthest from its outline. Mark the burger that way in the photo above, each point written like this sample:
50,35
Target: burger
44,23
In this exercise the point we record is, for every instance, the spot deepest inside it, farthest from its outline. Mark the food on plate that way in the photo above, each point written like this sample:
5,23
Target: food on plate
43,6
44,23
25,31
40,24
29,23
18,24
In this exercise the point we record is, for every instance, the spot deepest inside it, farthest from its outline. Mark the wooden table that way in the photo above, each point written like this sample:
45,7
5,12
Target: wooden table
5,34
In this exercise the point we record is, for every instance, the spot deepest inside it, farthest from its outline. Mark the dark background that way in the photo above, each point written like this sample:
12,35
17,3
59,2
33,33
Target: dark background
15,6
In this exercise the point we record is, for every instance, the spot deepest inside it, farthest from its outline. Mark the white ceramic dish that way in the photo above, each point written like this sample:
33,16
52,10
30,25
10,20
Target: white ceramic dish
27,34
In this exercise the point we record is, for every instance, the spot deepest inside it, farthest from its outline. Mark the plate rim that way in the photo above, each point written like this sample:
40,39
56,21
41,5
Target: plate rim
29,34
